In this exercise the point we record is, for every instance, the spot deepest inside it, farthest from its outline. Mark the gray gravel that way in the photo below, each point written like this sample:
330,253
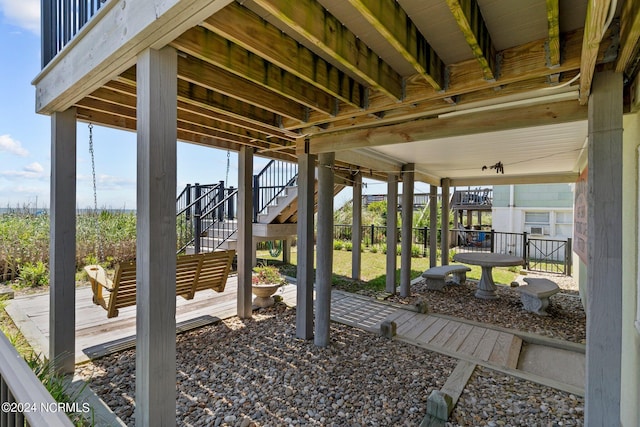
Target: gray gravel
566,319
256,373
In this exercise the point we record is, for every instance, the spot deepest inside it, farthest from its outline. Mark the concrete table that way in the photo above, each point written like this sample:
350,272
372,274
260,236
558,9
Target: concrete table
487,260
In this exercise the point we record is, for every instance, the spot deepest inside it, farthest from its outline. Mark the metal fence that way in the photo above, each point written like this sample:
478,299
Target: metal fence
545,255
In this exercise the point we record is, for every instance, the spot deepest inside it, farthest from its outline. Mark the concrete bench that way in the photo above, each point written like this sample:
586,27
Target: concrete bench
436,276
535,294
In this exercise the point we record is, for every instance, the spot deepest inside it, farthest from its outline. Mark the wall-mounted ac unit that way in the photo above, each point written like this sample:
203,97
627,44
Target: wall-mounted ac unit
536,230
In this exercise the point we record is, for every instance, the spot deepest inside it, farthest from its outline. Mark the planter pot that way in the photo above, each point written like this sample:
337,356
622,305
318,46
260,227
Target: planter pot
263,293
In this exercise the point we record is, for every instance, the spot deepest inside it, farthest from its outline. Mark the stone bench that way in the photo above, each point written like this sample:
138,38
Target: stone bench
535,294
436,276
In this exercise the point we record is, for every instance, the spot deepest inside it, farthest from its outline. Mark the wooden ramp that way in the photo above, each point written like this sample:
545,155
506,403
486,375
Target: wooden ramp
443,335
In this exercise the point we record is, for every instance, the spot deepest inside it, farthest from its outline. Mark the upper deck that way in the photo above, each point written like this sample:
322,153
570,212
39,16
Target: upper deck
450,87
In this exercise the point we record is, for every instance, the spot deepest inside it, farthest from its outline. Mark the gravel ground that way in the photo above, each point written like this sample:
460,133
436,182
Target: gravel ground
566,319
256,373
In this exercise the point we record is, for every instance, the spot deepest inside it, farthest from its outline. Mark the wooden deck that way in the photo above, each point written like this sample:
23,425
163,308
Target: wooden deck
454,338
96,335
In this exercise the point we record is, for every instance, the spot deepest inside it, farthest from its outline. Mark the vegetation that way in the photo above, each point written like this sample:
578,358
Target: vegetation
24,242
265,274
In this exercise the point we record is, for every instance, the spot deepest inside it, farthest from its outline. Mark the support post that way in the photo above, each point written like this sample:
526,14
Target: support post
604,237
304,280
407,228
156,238
62,249
324,258
356,236
433,226
392,232
246,247
444,239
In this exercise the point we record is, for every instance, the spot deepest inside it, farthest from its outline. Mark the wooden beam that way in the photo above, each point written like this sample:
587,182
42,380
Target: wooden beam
197,95
91,58
519,64
629,35
553,178
390,20
324,31
216,50
214,78
553,24
466,124
469,18
597,12
244,28
193,122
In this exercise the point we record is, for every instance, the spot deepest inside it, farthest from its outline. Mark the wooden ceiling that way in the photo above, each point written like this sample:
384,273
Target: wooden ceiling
344,75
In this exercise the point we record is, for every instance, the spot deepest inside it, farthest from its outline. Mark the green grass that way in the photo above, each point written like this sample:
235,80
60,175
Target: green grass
373,269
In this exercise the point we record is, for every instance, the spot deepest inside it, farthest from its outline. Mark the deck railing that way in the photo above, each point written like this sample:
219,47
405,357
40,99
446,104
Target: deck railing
61,20
24,400
547,255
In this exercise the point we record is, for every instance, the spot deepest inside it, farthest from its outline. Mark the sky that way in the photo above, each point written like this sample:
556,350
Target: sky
25,140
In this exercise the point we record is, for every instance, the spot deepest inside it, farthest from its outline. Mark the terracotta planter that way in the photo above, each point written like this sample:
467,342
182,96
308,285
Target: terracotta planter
263,293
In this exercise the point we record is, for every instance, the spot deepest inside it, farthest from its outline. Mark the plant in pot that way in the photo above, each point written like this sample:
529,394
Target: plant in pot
265,282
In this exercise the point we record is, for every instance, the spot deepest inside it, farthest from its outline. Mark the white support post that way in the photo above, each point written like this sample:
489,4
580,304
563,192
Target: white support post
392,232
62,249
604,270
324,246
156,238
407,228
433,226
246,246
444,239
304,279
356,234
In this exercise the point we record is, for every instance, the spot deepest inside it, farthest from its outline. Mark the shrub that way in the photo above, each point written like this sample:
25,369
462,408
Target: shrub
374,249
416,251
348,246
33,275
338,245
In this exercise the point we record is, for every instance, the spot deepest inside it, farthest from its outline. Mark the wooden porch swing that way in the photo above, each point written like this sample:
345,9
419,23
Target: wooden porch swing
194,272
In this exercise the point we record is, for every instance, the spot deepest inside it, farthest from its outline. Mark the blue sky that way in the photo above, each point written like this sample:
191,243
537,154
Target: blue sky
25,136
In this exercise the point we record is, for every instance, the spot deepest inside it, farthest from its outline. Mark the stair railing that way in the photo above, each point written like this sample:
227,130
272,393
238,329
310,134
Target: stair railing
270,183
200,208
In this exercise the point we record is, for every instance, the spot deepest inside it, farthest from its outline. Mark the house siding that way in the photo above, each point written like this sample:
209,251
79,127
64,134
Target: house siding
630,384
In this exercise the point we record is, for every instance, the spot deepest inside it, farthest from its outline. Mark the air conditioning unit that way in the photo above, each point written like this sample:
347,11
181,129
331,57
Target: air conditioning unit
536,230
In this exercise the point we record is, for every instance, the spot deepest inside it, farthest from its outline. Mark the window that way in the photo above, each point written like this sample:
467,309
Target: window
537,222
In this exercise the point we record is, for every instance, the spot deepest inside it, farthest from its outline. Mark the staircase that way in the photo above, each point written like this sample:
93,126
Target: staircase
208,211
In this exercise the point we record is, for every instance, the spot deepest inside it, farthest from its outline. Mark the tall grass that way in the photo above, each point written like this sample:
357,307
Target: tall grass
24,239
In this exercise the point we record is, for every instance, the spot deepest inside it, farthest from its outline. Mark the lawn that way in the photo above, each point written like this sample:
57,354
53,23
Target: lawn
374,265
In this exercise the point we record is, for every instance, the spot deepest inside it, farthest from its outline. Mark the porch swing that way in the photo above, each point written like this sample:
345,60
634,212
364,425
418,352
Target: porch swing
194,272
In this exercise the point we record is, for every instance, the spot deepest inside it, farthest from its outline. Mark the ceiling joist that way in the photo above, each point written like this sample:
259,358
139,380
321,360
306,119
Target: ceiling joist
248,30
553,23
629,36
597,13
216,50
310,20
390,20
469,18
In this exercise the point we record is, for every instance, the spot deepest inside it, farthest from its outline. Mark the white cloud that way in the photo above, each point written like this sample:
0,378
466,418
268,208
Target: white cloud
12,146
23,13
30,171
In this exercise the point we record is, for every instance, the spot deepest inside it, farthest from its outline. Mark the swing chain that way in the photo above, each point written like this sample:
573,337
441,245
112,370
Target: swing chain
95,195
228,161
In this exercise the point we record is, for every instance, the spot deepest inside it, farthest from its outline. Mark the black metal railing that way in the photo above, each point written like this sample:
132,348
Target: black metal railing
206,217
61,20
553,256
480,197
270,183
